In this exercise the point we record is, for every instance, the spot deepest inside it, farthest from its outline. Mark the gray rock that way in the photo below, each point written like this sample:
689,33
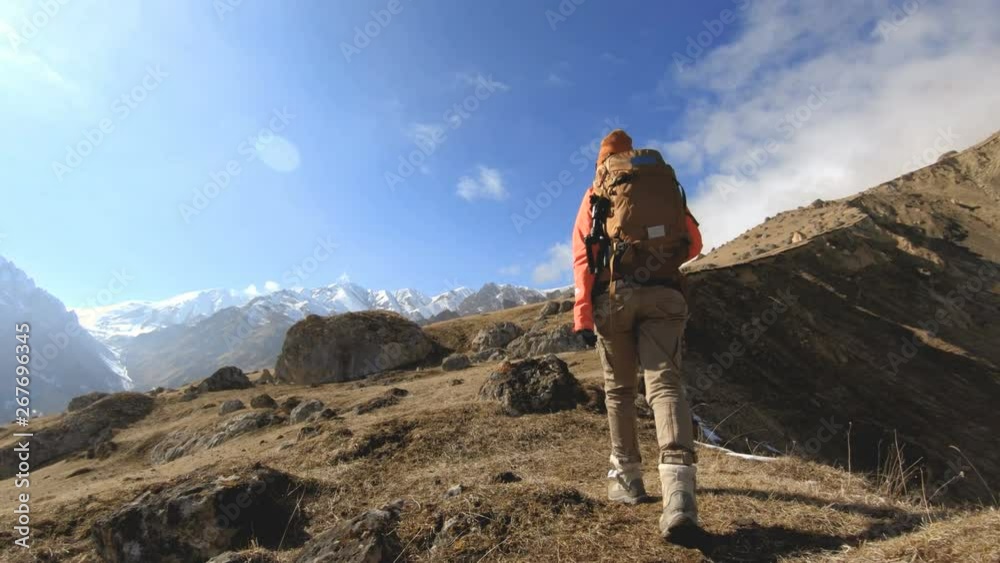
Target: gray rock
455,362
485,355
550,308
201,518
566,306
83,401
263,401
289,404
78,431
454,491
368,538
540,385
232,405
225,379
532,344
496,336
350,346
325,414
266,378
306,409
181,443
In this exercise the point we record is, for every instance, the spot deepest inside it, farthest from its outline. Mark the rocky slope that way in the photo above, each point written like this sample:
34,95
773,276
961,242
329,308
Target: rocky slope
65,359
839,329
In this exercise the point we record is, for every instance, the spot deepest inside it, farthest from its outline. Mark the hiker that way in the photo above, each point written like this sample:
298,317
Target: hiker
630,289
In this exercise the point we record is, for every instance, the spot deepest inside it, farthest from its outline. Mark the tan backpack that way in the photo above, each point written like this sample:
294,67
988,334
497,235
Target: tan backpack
646,223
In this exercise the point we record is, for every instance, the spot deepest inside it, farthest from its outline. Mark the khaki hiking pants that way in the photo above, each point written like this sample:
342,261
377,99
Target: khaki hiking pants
644,325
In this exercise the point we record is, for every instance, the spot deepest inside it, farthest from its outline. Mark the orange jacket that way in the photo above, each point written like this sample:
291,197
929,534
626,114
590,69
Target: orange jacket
583,314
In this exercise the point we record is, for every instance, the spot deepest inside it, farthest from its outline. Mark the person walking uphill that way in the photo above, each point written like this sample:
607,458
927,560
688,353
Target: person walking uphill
632,234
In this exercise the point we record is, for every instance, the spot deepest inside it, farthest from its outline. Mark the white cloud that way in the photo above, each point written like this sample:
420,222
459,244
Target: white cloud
271,286
512,270
488,185
817,100
557,81
683,155
557,267
251,290
426,133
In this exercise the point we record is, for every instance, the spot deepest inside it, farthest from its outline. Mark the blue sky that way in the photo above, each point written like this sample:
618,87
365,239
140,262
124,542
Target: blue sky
309,121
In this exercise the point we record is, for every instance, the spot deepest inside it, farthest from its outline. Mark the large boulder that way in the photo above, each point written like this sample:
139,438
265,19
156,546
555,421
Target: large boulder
497,335
83,401
367,538
225,379
199,518
350,346
540,343
539,385
79,431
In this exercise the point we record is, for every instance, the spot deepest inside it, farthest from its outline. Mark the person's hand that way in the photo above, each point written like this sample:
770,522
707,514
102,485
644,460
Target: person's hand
589,338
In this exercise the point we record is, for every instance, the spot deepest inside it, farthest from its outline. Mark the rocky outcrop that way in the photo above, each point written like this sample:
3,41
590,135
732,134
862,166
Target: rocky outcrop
496,336
80,430
304,410
181,443
539,343
350,346
367,538
387,399
199,518
225,379
533,386
489,355
83,401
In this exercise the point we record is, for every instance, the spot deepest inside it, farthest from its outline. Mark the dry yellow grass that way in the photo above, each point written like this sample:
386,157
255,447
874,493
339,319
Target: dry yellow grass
440,436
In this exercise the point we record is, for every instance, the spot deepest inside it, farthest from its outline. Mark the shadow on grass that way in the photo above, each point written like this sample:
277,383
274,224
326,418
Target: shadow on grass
758,543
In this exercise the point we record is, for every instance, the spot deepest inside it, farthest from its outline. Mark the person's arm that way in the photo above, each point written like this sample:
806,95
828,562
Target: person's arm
583,280
694,234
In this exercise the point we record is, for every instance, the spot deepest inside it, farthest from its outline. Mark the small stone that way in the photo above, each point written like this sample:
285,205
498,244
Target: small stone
454,491
231,405
263,401
506,477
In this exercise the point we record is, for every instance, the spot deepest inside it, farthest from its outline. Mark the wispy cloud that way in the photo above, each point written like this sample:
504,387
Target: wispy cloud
512,270
271,286
558,265
251,291
488,184
820,100
611,58
478,79
557,81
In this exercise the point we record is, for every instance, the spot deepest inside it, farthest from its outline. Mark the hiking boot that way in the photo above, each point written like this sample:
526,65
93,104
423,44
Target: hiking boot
625,485
680,512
